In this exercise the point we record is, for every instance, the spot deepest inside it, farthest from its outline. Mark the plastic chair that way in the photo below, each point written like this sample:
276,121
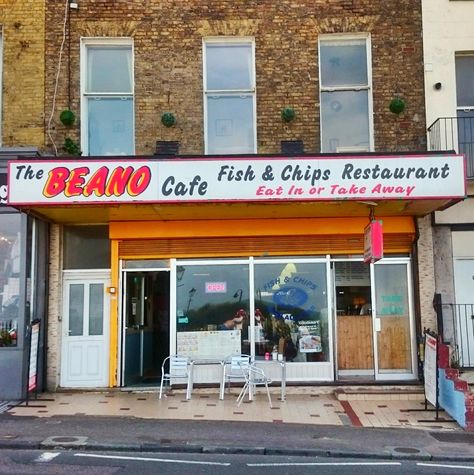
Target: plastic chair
254,377
233,370
178,370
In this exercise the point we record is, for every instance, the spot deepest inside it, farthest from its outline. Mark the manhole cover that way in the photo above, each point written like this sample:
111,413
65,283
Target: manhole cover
64,440
406,450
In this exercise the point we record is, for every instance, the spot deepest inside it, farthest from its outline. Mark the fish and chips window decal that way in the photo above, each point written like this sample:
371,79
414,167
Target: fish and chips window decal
141,180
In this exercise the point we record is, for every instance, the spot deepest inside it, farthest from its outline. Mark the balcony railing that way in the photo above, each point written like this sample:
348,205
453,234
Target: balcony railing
456,327
454,133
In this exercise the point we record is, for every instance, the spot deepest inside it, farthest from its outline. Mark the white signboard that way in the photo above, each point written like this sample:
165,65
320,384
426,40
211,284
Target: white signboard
137,180
209,344
33,370
430,370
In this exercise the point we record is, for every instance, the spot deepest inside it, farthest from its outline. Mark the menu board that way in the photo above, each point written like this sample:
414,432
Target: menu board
209,344
352,273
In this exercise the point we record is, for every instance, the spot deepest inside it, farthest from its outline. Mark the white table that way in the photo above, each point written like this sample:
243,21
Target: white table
195,361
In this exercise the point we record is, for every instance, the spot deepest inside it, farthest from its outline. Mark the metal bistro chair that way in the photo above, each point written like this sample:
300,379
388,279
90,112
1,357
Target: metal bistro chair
179,369
254,377
233,370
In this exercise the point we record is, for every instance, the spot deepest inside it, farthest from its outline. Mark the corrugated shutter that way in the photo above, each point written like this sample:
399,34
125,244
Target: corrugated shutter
257,246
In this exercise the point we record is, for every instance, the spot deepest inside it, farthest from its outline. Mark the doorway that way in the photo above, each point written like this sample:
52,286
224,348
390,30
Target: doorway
146,319
85,342
354,329
374,320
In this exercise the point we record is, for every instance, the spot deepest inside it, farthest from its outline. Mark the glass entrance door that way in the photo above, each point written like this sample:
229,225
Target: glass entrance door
354,330
146,326
393,320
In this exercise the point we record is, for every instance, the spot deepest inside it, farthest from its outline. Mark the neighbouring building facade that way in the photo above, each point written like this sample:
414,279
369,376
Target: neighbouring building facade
449,85
23,239
237,165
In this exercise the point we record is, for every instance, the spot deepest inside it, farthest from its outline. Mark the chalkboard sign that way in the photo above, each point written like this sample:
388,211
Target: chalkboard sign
33,366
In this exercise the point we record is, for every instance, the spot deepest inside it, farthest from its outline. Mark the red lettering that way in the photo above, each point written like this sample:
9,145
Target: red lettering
97,183
139,181
56,182
76,181
118,181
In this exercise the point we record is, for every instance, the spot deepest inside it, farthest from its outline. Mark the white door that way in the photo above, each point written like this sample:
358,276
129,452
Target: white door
393,322
85,342
464,310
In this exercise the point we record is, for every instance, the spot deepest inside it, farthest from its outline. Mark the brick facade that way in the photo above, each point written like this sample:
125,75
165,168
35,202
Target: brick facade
168,67
22,25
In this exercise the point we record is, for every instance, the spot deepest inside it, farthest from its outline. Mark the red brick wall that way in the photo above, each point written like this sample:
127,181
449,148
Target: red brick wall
168,69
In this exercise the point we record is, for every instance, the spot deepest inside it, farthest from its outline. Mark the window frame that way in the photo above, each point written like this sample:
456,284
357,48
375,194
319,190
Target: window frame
102,42
348,87
252,91
462,54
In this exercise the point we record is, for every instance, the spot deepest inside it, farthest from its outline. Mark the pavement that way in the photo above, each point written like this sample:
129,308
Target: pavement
388,423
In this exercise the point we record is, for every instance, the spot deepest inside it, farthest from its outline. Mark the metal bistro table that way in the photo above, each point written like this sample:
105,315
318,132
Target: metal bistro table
262,363
203,360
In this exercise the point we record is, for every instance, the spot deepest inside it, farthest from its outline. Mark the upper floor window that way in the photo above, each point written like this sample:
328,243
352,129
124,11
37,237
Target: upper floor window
229,96
107,97
345,94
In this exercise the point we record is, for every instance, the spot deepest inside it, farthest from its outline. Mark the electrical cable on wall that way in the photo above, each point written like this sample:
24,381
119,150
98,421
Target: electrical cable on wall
53,107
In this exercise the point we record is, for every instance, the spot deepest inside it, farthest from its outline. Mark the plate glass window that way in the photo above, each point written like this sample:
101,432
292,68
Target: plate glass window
345,95
229,90
108,99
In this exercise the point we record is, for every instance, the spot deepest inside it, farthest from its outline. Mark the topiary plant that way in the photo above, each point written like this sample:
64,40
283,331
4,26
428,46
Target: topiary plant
288,114
397,105
168,119
67,117
71,147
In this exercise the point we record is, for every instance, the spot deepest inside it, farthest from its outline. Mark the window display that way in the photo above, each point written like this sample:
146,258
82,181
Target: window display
290,317
10,244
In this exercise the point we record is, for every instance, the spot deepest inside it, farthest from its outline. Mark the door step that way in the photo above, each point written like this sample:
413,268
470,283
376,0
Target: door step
381,394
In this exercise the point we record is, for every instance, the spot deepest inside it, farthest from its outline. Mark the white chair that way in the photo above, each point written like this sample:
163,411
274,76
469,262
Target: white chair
179,369
233,370
254,377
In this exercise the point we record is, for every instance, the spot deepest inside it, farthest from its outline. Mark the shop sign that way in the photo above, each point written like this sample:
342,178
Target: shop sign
430,370
373,242
3,189
236,179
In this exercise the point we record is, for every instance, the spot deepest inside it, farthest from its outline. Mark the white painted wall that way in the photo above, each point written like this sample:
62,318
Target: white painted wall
448,27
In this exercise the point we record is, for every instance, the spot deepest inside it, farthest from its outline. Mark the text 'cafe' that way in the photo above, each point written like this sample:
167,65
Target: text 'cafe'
309,257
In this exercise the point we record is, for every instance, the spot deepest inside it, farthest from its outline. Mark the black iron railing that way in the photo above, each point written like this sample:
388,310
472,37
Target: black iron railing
456,327
454,133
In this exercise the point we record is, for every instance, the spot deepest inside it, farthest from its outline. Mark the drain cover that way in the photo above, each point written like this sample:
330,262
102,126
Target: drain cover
409,453
69,441
459,437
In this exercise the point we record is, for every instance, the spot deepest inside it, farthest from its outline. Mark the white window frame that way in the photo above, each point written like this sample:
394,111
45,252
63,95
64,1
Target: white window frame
229,92
368,88
105,42
461,108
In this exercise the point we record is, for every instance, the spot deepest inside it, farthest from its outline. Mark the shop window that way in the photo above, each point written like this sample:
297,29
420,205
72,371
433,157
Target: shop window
291,311
10,275
290,300
86,247
465,106
345,94
229,96
212,310
107,97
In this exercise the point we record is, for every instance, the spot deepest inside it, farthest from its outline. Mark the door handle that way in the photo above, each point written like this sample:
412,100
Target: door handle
378,325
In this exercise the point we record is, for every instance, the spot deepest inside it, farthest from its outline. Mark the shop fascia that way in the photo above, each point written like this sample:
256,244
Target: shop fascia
142,180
